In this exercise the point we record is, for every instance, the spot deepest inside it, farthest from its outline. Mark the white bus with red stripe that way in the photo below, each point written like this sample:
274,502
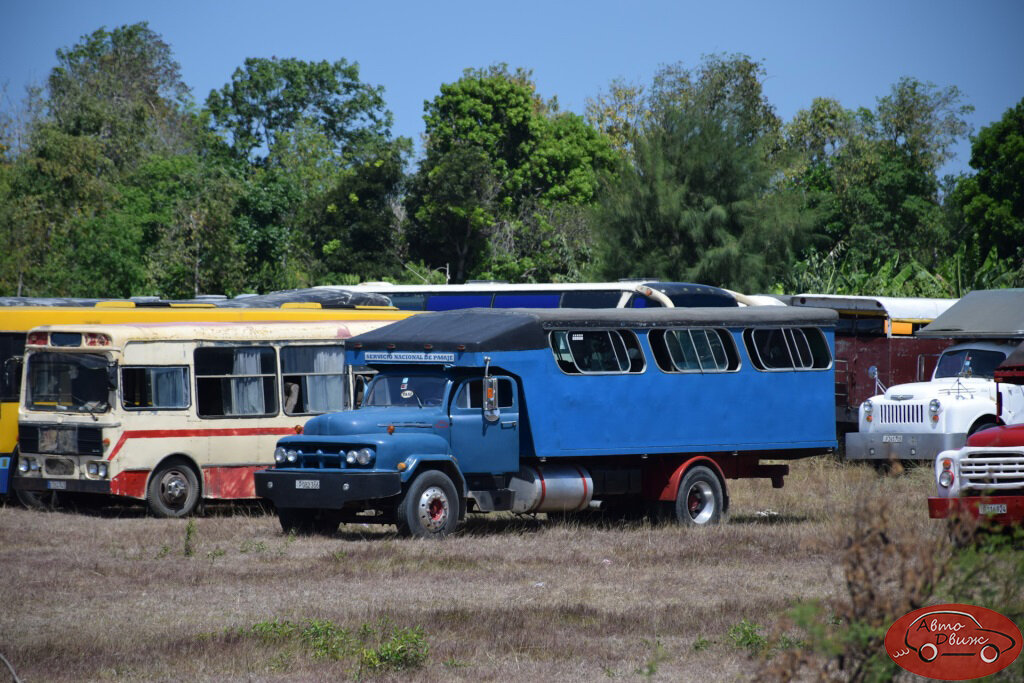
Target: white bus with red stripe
173,413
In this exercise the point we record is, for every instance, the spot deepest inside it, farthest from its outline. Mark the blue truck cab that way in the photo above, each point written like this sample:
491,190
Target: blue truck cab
560,411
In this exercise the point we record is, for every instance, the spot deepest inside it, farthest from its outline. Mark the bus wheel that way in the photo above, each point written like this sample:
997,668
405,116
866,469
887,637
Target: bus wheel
173,490
37,500
699,500
430,508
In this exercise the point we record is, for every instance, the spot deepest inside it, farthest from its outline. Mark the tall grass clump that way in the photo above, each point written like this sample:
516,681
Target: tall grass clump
888,572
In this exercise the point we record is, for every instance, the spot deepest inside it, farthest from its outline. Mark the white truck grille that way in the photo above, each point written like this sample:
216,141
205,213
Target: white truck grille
985,471
901,413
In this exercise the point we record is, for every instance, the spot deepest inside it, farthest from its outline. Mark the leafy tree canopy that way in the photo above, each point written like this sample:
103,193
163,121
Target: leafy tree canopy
123,88
267,98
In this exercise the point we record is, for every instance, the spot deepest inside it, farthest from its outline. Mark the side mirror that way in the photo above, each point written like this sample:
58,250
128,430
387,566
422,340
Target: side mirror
873,372
490,402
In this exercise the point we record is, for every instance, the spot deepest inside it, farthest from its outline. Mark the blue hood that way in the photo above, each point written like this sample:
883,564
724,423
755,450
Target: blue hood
377,420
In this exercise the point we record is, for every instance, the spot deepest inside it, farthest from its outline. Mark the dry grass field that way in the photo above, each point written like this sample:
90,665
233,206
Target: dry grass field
117,596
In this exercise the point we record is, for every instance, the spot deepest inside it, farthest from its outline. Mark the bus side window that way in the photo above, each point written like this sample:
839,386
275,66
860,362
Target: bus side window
154,387
314,379
236,381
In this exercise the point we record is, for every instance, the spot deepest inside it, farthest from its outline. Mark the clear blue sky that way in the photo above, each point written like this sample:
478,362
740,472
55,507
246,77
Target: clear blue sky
852,51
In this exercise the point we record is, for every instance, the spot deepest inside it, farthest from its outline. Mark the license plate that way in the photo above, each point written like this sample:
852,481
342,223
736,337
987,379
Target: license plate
892,438
56,485
992,508
307,483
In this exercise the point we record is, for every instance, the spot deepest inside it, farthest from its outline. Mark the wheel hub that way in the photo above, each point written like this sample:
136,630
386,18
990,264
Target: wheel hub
433,509
700,502
174,487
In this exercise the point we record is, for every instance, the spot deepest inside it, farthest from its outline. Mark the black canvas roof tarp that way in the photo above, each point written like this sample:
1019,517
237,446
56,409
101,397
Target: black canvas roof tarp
981,314
487,329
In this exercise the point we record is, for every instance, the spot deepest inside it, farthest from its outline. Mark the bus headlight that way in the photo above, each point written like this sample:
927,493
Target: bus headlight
350,457
934,406
868,409
364,456
101,469
291,456
92,469
279,455
23,465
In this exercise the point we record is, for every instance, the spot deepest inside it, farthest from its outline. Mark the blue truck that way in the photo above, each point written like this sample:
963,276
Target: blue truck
562,411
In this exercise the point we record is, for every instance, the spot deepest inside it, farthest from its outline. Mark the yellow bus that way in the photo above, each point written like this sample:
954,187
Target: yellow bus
19,315
173,413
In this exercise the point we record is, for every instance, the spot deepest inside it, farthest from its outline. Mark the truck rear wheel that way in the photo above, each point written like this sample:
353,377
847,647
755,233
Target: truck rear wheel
699,500
430,508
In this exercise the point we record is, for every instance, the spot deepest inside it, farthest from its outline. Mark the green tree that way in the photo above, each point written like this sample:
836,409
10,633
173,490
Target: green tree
124,89
496,153
309,131
869,179
992,200
696,205
728,86
357,237
269,97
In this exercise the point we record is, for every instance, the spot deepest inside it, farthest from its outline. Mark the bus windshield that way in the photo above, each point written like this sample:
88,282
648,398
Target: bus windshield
76,382
406,390
969,363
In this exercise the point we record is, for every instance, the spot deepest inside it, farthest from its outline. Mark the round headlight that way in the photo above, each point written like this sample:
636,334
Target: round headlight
946,479
350,457
364,456
102,470
935,406
23,465
868,407
33,465
91,469
279,455
291,456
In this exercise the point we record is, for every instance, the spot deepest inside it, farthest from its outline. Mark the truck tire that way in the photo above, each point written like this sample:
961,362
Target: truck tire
173,490
699,500
430,508
303,521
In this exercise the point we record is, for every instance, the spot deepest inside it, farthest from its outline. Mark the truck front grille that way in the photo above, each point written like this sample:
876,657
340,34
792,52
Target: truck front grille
986,471
901,413
320,456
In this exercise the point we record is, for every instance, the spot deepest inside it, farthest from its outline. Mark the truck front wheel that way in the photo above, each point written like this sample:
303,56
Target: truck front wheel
699,500
430,508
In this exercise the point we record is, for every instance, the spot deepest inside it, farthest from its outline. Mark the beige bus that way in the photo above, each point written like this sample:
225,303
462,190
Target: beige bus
171,413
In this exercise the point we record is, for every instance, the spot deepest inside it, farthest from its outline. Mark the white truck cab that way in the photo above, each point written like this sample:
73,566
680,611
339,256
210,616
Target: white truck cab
919,420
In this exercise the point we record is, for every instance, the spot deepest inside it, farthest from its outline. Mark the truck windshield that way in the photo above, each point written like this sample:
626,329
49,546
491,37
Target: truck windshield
67,381
969,362
406,390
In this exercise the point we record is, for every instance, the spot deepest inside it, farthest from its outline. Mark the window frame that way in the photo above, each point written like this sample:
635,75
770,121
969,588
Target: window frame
733,360
282,375
617,339
275,377
187,384
788,333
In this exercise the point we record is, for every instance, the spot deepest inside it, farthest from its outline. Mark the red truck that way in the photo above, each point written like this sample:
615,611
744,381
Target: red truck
985,479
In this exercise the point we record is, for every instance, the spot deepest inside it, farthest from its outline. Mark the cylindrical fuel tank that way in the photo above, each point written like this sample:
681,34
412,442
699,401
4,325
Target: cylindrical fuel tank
552,488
